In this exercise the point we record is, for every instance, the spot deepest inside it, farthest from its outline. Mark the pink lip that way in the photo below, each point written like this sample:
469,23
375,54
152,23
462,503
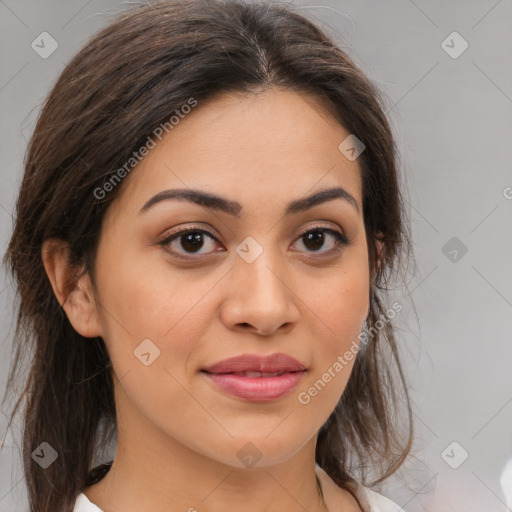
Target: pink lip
255,363
225,375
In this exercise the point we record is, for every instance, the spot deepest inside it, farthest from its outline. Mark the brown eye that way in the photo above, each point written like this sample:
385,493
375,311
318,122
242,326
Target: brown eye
323,240
190,241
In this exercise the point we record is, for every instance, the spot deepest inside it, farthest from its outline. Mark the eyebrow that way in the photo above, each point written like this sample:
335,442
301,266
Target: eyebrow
234,208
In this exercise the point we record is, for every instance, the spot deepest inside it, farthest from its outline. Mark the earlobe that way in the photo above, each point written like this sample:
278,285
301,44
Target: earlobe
73,292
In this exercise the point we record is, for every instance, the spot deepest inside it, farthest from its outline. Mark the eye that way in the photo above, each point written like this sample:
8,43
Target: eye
318,238
187,243
190,241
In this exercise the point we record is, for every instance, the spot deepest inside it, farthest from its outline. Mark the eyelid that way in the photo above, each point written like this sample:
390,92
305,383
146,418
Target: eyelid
324,227
185,230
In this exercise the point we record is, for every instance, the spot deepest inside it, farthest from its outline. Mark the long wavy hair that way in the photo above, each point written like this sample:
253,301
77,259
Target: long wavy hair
124,83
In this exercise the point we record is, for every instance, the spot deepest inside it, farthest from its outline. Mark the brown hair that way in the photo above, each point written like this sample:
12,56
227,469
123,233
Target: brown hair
122,85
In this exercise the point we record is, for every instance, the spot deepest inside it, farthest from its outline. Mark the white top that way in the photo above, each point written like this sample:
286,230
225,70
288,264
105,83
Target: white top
370,500
82,504
376,502
373,501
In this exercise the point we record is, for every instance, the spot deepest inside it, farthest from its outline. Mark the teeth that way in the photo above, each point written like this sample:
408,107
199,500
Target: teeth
258,374
251,374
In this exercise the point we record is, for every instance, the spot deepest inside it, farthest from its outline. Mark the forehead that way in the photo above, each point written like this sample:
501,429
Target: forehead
268,147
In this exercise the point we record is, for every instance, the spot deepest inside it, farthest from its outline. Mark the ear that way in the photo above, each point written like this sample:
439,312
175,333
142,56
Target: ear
74,292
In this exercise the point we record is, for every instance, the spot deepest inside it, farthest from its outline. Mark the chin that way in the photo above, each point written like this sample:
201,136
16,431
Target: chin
259,450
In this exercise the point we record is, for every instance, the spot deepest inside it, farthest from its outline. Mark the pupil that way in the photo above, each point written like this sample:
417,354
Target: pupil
193,240
315,237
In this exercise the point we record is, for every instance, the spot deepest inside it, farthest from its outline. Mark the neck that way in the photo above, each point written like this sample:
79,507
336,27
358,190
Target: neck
152,471
195,484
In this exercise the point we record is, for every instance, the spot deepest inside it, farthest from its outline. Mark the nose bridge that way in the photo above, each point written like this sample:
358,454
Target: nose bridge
257,267
259,295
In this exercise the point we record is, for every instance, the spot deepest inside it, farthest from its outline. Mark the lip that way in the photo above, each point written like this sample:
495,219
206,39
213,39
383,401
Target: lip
255,363
226,375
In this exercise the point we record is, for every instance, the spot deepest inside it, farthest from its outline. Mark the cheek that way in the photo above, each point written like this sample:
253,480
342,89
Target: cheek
344,309
145,300
340,303
152,325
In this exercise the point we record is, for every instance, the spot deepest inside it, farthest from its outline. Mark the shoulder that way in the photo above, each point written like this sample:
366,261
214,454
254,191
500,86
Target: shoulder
369,501
82,504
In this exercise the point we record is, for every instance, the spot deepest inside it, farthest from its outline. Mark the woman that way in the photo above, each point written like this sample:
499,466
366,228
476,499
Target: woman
208,221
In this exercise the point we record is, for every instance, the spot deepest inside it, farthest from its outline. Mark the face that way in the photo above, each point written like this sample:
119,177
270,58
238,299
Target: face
261,272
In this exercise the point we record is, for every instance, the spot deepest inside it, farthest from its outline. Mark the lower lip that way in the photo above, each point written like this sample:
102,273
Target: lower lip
257,389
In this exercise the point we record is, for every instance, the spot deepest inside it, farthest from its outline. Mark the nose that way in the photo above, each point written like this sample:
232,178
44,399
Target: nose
260,297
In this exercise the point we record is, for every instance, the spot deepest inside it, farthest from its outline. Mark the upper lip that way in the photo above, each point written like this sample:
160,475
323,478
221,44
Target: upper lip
256,363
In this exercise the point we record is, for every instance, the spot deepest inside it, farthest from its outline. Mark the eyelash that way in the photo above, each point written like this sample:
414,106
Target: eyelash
341,240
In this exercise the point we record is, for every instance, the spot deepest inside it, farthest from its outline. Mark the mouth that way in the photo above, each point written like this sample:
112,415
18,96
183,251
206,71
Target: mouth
250,374
256,378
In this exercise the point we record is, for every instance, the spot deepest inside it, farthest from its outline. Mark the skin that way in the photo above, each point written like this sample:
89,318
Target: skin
178,434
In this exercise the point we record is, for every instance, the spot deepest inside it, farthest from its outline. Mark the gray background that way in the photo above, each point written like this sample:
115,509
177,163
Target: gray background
453,121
